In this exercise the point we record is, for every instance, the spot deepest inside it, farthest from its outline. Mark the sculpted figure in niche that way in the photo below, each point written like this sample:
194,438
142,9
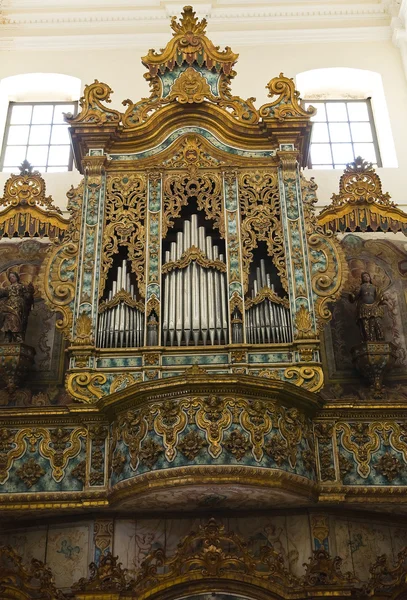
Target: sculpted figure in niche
16,301
370,312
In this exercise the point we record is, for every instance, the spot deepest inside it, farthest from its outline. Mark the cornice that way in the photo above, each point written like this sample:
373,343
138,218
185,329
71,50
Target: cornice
235,38
52,24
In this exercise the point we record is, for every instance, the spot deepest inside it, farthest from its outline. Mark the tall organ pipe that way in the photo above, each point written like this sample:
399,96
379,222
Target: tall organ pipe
117,326
199,299
266,321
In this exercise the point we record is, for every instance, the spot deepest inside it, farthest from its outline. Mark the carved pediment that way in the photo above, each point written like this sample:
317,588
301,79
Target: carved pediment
361,205
25,210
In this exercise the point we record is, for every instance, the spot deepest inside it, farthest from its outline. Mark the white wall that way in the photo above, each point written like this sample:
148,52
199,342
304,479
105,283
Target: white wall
123,71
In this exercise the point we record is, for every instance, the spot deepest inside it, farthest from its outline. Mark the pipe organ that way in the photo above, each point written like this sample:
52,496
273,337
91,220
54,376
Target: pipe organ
267,315
191,230
121,316
194,280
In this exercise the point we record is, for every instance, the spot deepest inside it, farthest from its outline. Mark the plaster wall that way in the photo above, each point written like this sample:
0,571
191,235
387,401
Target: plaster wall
123,71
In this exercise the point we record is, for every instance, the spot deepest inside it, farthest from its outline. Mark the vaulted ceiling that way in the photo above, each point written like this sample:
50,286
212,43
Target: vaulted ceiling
31,24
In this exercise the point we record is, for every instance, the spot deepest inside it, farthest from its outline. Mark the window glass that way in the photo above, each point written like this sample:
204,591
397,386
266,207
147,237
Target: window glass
342,131
38,133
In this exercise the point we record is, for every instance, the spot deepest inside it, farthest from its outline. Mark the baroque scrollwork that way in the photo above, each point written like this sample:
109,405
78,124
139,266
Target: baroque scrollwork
329,269
85,386
126,206
57,277
228,424
261,220
361,204
205,187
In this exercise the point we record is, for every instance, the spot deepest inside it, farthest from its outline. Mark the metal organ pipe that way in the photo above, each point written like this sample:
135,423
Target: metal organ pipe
267,321
199,298
121,323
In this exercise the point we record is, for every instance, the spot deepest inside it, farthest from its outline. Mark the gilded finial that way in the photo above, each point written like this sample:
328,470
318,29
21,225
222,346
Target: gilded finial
188,23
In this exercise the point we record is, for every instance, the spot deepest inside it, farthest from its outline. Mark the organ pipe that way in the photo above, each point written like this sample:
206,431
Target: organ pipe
121,317
267,315
195,294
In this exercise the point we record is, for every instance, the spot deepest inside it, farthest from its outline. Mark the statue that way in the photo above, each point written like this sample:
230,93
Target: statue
370,303
16,301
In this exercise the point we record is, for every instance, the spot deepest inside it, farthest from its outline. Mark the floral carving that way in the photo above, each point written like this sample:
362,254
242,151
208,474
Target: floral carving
345,465
276,448
237,444
191,444
389,466
30,472
322,569
325,463
150,452
79,472
119,460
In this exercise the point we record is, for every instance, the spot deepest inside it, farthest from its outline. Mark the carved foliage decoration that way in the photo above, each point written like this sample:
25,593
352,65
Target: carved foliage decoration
361,204
215,423
196,59
260,220
287,105
19,581
126,205
329,269
57,278
26,211
58,445
92,109
205,187
362,440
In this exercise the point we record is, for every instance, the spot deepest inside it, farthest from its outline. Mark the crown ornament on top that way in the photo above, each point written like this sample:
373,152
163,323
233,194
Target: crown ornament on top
189,44
361,204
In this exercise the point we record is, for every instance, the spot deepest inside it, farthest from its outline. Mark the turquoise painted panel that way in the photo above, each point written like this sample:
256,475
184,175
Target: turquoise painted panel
113,363
266,358
201,131
195,359
169,77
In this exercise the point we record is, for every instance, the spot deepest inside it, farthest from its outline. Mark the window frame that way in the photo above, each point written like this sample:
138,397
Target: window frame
375,142
7,125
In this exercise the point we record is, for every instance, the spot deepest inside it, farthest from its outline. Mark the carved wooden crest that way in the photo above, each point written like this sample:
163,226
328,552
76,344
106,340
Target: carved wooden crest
361,204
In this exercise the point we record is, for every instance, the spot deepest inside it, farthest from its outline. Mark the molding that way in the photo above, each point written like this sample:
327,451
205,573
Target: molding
237,38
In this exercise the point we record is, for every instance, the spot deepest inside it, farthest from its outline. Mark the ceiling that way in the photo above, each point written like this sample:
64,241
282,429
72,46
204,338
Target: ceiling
61,24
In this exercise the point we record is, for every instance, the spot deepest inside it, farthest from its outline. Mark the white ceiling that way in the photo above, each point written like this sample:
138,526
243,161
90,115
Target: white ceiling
60,24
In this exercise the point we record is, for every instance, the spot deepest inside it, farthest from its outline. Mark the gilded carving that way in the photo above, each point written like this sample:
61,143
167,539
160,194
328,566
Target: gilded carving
237,444
150,452
213,417
311,378
179,187
30,472
92,111
287,105
261,220
389,466
303,324
169,423
194,254
361,204
191,445
57,277
257,420
125,214
84,386
20,582
25,210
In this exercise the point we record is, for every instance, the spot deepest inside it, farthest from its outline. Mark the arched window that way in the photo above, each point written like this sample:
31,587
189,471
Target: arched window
352,118
31,120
